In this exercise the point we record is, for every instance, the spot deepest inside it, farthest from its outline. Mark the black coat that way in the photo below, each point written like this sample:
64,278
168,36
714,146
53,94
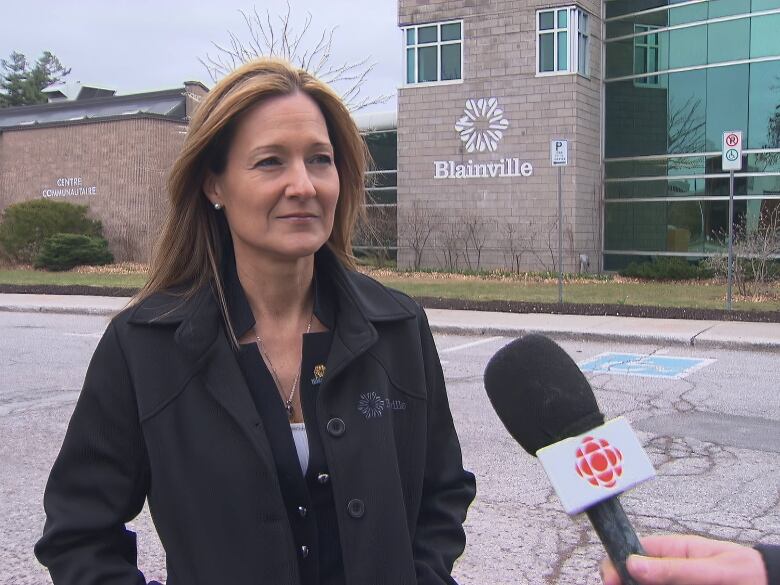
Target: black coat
165,414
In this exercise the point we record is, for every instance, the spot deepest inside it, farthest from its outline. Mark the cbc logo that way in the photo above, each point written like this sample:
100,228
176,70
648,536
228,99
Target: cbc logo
598,462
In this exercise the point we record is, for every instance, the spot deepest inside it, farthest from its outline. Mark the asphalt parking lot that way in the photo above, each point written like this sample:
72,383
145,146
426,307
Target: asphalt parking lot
713,435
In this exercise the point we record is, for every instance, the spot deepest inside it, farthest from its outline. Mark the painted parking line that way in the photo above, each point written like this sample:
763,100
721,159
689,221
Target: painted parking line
648,366
468,345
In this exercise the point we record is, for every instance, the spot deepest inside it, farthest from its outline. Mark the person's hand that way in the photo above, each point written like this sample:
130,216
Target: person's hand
691,560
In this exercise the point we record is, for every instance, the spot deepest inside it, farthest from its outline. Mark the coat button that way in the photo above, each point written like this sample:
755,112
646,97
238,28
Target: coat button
356,508
302,511
336,427
304,551
323,478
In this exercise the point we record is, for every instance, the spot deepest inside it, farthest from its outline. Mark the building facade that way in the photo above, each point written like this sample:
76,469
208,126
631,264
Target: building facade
111,153
642,90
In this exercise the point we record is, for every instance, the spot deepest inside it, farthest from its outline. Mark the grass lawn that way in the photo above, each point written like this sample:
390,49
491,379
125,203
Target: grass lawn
117,279
701,294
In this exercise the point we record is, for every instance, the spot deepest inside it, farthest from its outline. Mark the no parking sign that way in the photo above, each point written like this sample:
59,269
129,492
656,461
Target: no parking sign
732,150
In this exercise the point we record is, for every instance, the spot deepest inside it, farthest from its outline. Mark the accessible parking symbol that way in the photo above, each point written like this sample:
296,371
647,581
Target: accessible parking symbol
649,366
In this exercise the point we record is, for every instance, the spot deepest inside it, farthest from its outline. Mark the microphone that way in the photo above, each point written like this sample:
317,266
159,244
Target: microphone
547,405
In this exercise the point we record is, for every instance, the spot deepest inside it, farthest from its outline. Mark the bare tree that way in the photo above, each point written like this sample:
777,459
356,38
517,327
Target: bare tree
376,234
278,37
416,225
473,239
755,250
516,243
451,237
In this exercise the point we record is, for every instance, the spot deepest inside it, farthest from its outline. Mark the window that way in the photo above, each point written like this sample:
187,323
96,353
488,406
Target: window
434,52
562,41
646,55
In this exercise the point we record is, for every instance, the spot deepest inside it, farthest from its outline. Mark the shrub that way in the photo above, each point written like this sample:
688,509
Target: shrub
64,251
26,225
666,268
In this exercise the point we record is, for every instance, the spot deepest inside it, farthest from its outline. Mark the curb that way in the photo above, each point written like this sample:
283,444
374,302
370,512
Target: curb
653,338
557,334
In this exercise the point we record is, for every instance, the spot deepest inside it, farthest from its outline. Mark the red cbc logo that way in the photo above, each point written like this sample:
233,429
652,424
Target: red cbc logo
598,462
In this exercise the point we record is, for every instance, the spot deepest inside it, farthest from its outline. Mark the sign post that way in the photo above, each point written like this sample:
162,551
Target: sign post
732,161
559,157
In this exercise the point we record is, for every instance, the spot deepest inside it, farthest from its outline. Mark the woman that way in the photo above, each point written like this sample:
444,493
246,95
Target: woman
285,416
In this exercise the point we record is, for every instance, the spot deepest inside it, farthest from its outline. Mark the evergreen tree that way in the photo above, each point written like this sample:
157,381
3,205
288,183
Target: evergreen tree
21,84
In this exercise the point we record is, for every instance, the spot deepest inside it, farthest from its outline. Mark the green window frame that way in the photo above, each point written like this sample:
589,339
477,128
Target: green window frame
562,41
433,52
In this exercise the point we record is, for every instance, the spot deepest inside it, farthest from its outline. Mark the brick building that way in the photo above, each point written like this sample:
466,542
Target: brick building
93,148
643,91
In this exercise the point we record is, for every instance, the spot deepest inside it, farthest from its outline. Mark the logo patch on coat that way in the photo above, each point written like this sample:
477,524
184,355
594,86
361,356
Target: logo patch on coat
319,374
372,405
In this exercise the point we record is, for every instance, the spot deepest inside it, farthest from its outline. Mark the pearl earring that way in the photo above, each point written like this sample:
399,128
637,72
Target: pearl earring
217,206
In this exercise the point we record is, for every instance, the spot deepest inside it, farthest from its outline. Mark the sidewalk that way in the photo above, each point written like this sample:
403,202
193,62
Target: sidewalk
720,334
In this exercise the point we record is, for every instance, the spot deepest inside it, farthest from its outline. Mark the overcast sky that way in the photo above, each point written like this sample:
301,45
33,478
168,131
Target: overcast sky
145,45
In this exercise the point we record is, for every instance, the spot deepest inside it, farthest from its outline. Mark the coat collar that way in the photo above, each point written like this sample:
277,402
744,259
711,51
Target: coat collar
360,302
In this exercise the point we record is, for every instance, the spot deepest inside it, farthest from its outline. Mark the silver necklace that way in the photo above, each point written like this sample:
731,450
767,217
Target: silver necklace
288,402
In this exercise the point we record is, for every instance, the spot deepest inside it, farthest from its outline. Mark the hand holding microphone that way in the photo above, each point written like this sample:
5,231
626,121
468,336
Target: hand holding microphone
691,560
548,406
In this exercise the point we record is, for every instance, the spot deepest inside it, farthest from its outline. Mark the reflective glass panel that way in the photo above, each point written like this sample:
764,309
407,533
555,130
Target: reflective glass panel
450,61
728,41
686,14
563,18
383,147
727,102
410,68
687,111
764,118
547,20
450,32
765,36
546,52
728,7
563,51
758,5
428,34
687,47
428,65
410,36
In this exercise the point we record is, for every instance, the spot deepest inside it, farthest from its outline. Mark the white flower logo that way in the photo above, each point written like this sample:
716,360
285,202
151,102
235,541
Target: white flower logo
483,125
371,405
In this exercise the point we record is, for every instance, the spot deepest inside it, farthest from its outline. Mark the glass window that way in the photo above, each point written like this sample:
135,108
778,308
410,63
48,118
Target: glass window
383,149
434,52
687,47
428,34
563,41
450,32
646,55
687,111
728,7
450,61
727,102
429,59
686,14
728,41
764,117
546,53
758,5
764,37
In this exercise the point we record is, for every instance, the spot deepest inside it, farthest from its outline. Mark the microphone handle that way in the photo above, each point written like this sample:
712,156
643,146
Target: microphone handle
616,534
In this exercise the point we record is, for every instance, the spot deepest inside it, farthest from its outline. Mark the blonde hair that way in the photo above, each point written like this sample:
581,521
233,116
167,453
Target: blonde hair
189,251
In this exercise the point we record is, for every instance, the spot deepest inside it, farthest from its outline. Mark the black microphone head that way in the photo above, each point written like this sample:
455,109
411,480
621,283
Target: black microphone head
539,393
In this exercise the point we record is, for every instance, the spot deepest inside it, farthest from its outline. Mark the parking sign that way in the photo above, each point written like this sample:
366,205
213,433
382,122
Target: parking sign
732,150
559,153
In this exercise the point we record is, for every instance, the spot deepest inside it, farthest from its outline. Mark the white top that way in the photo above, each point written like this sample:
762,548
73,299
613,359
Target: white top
301,444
